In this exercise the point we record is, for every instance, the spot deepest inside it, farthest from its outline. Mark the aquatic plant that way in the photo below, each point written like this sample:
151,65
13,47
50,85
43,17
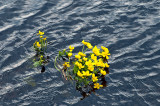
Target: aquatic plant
40,47
87,70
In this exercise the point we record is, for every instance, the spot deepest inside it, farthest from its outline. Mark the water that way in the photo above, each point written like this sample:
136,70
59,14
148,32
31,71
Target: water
129,28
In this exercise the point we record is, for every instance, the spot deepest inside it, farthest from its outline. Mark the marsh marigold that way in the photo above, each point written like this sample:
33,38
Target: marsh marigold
97,85
40,33
69,54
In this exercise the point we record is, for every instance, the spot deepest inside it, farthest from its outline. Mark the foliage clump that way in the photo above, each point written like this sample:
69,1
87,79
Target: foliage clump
40,47
87,70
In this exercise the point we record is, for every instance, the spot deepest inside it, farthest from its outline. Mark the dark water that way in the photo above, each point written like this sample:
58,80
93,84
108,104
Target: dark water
129,28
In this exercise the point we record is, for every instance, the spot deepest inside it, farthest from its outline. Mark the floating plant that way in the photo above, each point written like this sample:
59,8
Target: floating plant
86,70
40,47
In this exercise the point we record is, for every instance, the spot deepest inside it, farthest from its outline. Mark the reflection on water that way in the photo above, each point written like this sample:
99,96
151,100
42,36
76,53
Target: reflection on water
30,81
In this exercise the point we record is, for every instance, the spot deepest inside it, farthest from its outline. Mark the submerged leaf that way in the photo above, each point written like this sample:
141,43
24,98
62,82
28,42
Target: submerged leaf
30,81
36,64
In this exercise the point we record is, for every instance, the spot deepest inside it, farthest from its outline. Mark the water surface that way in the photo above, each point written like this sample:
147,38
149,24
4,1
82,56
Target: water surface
129,28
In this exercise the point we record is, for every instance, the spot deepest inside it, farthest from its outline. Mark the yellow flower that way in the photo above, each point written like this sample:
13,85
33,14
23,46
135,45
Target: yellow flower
89,46
96,62
96,51
66,64
77,56
79,74
85,43
103,72
99,63
69,54
38,44
84,58
94,78
106,64
105,54
89,63
91,68
96,85
80,66
41,56
71,48
102,65
93,57
86,73
105,49
81,54
76,63
80,60
41,36
40,33
44,38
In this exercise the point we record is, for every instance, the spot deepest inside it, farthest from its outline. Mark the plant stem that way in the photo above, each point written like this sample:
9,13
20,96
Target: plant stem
55,64
82,48
85,50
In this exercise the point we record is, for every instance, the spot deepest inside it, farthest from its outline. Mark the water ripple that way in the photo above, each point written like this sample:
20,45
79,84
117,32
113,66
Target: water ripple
129,28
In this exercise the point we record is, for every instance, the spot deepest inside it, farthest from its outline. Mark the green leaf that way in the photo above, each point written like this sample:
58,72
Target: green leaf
76,78
63,52
60,53
36,64
85,67
86,82
75,69
66,53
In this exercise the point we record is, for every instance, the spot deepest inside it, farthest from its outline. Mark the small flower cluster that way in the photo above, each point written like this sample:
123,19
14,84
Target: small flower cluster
40,47
65,53
87,70
42,44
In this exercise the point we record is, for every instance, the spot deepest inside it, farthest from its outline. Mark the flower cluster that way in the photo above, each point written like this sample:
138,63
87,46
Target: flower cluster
87,68
40,47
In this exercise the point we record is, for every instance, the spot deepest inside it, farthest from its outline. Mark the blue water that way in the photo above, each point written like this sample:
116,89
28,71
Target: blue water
129,28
